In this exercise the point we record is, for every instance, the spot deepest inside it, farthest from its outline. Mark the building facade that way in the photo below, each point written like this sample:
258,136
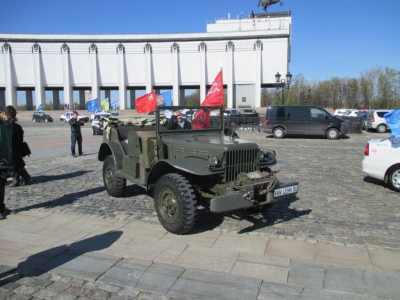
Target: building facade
249,51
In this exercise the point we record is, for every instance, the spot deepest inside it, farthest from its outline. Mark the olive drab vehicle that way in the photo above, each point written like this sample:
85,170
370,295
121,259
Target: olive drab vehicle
187,168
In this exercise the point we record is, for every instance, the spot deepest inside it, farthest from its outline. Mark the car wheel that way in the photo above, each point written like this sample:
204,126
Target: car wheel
114,184
279,133
332,134
175,203
394,178
34,120
381,128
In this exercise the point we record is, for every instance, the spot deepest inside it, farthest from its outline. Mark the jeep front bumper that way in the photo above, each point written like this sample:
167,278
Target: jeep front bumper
245,198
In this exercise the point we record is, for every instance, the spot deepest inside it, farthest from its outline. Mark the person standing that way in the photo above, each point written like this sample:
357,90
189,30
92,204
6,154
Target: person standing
76,135
6,116
18,161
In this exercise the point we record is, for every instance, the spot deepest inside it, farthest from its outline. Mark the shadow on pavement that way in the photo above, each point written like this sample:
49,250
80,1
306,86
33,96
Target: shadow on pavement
64,200
52,258
272,214
45,178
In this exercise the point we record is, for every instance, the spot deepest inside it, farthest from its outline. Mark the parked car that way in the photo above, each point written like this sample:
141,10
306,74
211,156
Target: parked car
342,111
249,113
364,115
303,119
97,128
65,117
382,161
351,113
376,120
40,116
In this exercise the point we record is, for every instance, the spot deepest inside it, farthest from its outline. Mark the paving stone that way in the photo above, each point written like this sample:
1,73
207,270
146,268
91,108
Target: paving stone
316,294
45,294
25,290
272,291
315,274
58,286
344,280
159,278
197,284
382,284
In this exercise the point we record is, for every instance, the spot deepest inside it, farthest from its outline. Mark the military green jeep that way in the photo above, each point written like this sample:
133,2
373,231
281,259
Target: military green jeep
206,165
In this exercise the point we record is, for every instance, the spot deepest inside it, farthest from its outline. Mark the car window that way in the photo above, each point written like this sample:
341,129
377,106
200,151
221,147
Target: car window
381,113
317,113
299,112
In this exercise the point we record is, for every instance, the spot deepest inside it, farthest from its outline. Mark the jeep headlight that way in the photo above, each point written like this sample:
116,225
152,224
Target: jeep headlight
213,161
267,155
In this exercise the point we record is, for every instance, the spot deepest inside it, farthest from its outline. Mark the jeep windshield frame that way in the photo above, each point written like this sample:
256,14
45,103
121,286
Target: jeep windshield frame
216,124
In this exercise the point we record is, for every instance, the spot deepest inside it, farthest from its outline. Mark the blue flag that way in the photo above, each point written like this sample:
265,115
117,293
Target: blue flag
393,120
164,99
114,105
93,105
40,107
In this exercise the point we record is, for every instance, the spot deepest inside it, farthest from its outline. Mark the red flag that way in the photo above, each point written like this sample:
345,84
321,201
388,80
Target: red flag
202,119
146,103
215,95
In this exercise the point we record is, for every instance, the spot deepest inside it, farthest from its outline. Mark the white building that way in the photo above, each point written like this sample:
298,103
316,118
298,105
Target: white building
250,51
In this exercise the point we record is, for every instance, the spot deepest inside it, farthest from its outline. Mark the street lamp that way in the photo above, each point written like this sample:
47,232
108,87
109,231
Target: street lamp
283,84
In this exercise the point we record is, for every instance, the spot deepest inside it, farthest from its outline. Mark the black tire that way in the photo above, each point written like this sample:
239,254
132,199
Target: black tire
278,133
332,134
114,185
175,203
394,178
94,133
381,128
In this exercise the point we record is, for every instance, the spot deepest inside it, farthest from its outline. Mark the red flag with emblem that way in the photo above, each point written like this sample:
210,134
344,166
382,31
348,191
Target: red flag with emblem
215,95
146,103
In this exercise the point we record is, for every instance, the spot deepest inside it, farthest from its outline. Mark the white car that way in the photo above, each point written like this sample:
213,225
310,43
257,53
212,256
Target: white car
382,161
343,111
65,117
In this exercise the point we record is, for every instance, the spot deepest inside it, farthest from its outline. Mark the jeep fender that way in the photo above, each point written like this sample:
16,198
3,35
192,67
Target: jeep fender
191,165
112,148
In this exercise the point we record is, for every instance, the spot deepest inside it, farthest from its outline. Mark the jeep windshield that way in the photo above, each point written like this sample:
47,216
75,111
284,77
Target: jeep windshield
189,118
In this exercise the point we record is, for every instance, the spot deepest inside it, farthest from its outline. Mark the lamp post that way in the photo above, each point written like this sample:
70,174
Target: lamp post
283,84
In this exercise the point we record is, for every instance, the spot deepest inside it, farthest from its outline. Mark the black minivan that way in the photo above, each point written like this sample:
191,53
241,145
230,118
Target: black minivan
303,119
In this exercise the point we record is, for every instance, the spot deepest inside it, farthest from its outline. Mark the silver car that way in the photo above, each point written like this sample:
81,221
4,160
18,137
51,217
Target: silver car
375,120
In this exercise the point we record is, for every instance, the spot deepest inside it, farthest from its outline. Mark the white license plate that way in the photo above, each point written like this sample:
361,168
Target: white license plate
286,190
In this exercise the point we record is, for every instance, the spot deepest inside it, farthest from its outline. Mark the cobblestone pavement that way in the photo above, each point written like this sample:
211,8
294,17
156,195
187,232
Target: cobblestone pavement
336,203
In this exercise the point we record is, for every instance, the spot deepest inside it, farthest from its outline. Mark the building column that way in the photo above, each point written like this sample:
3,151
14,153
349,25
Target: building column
257,87
148,68
94,73
11,92
175,75
68,96
229,74
202,68
29,100
132,98
56,99
121,76
39,89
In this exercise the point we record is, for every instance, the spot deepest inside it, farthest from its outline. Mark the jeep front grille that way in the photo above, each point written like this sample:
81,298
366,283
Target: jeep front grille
239,161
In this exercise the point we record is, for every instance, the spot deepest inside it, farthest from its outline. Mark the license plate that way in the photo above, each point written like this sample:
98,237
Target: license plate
286,191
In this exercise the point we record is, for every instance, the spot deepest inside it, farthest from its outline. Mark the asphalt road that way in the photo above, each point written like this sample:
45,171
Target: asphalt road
337,203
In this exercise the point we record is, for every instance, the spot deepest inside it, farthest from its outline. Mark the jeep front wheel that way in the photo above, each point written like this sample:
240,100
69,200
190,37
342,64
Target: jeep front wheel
175,203
114,184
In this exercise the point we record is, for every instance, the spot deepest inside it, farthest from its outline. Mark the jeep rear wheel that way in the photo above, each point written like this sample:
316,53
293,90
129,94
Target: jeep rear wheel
114,184
175,203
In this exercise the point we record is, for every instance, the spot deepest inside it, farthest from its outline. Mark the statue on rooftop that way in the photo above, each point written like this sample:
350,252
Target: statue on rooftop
266,3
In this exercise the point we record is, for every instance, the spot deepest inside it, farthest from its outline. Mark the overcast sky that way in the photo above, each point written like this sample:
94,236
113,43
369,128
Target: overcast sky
329,38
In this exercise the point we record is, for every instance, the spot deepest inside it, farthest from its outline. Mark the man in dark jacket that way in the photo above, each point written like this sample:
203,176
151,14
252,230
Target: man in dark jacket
76,135
18,161
6,116
177,121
